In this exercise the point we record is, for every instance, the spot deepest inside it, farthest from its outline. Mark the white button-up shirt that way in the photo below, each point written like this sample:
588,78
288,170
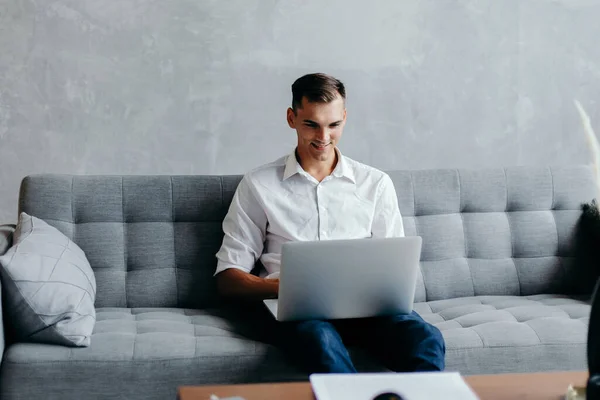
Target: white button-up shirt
280,202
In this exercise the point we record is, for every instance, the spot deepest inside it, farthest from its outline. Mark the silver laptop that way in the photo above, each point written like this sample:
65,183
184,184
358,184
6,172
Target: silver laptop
338,279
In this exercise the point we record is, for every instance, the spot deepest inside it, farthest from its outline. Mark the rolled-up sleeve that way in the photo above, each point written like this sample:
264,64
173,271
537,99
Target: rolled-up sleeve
244,227
387,220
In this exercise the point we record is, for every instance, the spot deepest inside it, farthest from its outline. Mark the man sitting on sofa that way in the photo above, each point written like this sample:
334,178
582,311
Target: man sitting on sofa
316,193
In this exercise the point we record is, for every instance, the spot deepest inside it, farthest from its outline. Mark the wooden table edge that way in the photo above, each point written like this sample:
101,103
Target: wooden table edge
489,386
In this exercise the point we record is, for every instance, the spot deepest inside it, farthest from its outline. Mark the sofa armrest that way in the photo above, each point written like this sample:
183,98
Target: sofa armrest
6,235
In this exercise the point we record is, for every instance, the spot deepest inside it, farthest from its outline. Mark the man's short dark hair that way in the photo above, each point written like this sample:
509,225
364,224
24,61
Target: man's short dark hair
317,88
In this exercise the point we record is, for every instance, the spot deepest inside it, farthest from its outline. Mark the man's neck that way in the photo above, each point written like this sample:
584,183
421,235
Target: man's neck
318,169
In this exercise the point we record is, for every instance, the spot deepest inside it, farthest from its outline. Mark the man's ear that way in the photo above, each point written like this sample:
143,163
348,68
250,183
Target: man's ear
291,118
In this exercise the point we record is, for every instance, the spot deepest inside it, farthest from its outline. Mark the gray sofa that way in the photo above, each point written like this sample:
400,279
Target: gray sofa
497,278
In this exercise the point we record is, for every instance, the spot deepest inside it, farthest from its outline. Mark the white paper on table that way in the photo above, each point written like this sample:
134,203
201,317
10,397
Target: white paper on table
411,386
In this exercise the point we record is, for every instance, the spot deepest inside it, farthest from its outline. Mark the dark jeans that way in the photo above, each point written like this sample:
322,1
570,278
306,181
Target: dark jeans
403,343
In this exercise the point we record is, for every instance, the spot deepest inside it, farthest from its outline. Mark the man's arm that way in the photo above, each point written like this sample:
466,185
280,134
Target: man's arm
387,221
245,229
236,283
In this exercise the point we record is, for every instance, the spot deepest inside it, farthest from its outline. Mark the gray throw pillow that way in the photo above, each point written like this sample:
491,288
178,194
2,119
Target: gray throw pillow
48,285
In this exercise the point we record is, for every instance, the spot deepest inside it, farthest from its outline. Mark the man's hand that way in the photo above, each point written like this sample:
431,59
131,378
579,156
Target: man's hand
274,275
237,283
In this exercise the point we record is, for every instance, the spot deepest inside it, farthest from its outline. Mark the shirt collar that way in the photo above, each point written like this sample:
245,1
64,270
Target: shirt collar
342,169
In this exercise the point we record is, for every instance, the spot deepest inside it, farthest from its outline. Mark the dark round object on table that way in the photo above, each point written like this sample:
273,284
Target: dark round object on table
388,396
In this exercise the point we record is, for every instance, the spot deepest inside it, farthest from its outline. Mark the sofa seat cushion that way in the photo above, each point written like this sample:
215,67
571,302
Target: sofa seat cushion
142,353
494,334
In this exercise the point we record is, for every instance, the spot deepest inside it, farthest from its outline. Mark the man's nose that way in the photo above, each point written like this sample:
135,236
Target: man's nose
323,135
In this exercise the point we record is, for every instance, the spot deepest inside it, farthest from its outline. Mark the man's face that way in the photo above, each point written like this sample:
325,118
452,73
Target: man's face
319,127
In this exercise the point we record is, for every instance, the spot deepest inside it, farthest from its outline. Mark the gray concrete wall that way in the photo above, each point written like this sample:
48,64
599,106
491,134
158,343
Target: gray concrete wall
201,87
